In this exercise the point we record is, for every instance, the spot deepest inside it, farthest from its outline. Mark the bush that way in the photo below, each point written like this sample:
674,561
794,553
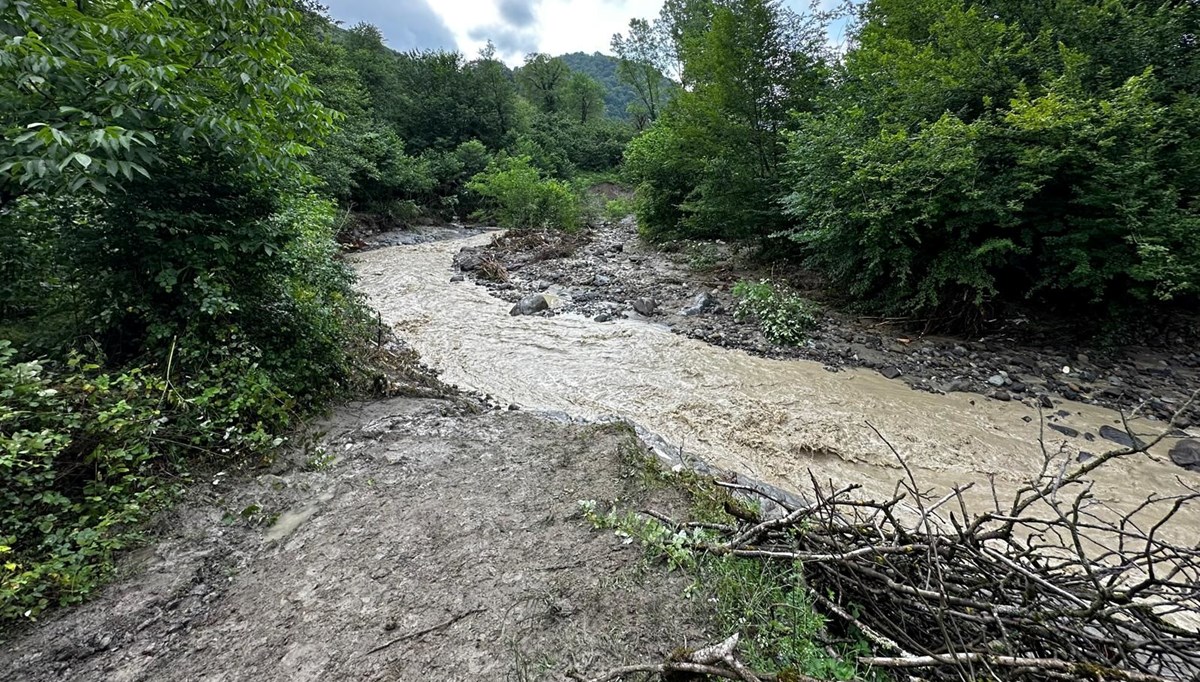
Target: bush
216,365
519,197
784,318
965,160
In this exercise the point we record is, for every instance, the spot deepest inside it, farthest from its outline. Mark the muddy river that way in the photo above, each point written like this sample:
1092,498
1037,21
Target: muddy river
775,420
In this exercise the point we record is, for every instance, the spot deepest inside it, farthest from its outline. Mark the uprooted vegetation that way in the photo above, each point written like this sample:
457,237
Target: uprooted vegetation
1051,584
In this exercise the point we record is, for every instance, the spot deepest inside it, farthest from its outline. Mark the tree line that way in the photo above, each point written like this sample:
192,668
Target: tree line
949,157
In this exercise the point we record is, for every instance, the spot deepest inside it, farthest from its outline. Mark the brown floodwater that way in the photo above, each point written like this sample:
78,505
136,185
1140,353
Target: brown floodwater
775,420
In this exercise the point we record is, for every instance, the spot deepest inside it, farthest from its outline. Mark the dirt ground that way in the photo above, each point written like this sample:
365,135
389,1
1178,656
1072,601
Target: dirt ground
419,541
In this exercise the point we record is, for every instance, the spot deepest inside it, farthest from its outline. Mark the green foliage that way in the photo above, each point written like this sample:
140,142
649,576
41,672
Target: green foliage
710,166
75,471
616,210
97,93
583,98
982,151
621,101
645,55
769,604
543,80
518,196
205,291
784,317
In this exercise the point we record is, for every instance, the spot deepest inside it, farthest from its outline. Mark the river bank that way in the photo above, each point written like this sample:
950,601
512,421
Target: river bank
607,272
413,539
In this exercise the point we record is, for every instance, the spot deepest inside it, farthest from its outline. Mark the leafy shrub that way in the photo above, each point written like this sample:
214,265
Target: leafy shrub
967,160
616,210
519,197
784,317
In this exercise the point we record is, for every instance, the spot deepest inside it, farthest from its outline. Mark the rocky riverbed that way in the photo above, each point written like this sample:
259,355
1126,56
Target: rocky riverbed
608,273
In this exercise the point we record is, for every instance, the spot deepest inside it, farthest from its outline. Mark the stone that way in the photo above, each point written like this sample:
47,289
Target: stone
603,317
997,380
891,372
1018,387
1084,456
645,306
541,285
457,277
530,305
1119,437
1002,396
1064,430
1186,454
700,304
1045,401
601,280
469,258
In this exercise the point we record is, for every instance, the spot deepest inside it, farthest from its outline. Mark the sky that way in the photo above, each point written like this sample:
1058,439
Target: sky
516,27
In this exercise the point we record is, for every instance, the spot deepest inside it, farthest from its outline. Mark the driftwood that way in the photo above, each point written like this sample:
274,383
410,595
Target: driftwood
1052,585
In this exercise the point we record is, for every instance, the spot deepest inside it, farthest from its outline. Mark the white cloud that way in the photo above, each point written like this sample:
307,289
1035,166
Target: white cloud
516,26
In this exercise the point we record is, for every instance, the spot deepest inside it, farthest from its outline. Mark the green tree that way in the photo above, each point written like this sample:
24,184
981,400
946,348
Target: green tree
543,79
583,98
646,55
747,65
83,99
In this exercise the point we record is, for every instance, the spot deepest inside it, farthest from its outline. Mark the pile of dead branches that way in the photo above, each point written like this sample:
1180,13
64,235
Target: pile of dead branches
1049,585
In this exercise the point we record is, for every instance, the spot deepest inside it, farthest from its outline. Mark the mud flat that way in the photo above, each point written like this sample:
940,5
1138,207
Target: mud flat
421,541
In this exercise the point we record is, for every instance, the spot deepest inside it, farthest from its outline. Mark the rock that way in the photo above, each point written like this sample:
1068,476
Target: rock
1089,437
1027,419
958,386
1002,396
601,280
1082,359
541,285
891,372
534,303
1084,456
603,317
645,306
701,304
1186,454
469,258
1119,437
1018,387
1045,401
457,277
1064,430
997,380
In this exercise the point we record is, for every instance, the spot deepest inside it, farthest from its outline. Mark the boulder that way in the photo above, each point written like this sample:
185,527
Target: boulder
892,372
530,305
645,306
1186,454
701,304
469,258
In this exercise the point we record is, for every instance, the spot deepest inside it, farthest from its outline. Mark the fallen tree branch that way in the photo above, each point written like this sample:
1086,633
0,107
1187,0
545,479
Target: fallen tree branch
425,631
